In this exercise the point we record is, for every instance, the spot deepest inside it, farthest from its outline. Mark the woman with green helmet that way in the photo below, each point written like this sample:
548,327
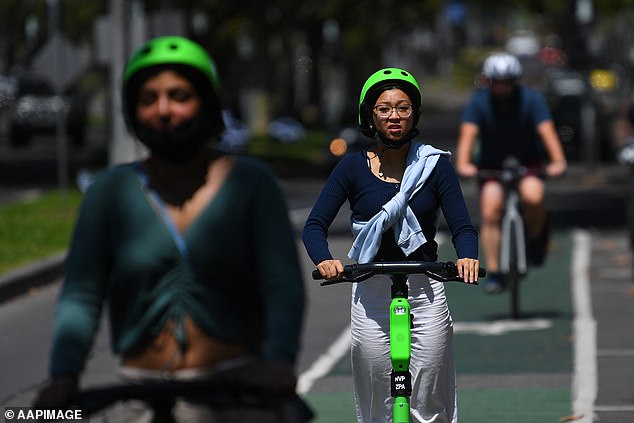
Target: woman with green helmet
396,189
174,243
190,60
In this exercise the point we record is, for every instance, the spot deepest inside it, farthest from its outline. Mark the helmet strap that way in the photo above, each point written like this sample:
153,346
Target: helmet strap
390,144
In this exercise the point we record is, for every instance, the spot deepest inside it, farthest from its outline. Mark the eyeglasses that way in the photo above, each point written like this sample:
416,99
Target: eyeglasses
384,111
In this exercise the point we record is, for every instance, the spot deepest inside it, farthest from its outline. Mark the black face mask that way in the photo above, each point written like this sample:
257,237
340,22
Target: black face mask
178,145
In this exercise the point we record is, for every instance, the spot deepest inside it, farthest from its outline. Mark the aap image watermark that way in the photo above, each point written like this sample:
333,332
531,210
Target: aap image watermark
29,414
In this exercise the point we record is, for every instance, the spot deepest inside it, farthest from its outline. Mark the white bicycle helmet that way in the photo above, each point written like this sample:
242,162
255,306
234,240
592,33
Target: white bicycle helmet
502,66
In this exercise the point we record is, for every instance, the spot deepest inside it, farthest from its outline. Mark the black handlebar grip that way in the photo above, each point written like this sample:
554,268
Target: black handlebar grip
482,272
317,275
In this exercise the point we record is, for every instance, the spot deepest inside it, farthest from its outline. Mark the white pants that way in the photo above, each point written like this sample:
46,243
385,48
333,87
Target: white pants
431,366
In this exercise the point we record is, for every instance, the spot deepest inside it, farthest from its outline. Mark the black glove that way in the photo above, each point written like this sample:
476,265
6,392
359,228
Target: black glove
58,394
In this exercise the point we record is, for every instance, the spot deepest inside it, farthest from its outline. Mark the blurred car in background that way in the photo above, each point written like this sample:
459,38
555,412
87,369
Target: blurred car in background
625,157
566,92
581,119
287,129
8,87
35,109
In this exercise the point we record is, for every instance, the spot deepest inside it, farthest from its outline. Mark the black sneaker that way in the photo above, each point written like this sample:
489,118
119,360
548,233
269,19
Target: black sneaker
494,283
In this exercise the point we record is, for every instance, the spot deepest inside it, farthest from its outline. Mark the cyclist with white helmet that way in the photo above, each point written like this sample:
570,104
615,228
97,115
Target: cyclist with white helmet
191,249
509,119
396,190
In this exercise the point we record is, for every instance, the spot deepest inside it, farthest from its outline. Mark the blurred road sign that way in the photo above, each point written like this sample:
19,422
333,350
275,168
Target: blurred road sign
60,62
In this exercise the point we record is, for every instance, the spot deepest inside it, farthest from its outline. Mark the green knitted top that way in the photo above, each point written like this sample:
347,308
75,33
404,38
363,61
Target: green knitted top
240,280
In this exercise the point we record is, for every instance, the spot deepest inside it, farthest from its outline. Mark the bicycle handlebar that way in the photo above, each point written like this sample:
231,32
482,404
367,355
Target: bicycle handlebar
290,407
94,399
440,271
512,172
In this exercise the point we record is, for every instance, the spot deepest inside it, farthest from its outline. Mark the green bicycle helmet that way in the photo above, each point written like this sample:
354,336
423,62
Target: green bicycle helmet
181,55
380,81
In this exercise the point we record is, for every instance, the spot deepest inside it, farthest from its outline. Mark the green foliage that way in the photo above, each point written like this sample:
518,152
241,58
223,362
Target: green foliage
33,229
311,148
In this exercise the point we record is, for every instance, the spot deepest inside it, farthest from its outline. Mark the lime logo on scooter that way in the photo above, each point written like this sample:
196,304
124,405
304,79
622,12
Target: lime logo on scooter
401,318
401,321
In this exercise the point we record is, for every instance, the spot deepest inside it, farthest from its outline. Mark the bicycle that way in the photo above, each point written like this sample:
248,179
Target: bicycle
401,320
513,259
228,389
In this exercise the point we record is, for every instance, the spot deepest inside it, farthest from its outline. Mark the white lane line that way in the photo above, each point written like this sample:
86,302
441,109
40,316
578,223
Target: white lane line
325,362
501,327
322,366
615,353
584,380
616,408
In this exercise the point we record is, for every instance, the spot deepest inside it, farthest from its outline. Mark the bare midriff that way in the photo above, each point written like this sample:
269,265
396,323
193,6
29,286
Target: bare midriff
201,351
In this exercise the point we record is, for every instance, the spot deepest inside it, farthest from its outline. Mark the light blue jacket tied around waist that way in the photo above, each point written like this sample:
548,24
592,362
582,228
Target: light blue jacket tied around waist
421,160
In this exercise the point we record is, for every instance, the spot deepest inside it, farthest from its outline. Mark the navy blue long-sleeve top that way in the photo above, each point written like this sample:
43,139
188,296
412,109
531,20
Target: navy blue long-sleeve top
352,180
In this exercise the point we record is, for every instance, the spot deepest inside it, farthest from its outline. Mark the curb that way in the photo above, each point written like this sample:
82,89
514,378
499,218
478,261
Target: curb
39,273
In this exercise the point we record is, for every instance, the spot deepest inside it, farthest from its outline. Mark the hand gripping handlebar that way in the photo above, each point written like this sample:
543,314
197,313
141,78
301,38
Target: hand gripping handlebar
440,271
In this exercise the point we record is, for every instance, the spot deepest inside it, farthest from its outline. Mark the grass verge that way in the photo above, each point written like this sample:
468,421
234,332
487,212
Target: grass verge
35,228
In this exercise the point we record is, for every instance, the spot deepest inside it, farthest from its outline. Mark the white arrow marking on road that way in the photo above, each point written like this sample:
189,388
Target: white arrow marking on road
501,327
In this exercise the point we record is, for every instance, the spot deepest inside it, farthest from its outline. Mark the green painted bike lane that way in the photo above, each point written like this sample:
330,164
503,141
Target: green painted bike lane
520,375
507,372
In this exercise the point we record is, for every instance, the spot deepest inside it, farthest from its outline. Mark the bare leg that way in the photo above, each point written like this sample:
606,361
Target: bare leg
532,194
491,198
537,233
